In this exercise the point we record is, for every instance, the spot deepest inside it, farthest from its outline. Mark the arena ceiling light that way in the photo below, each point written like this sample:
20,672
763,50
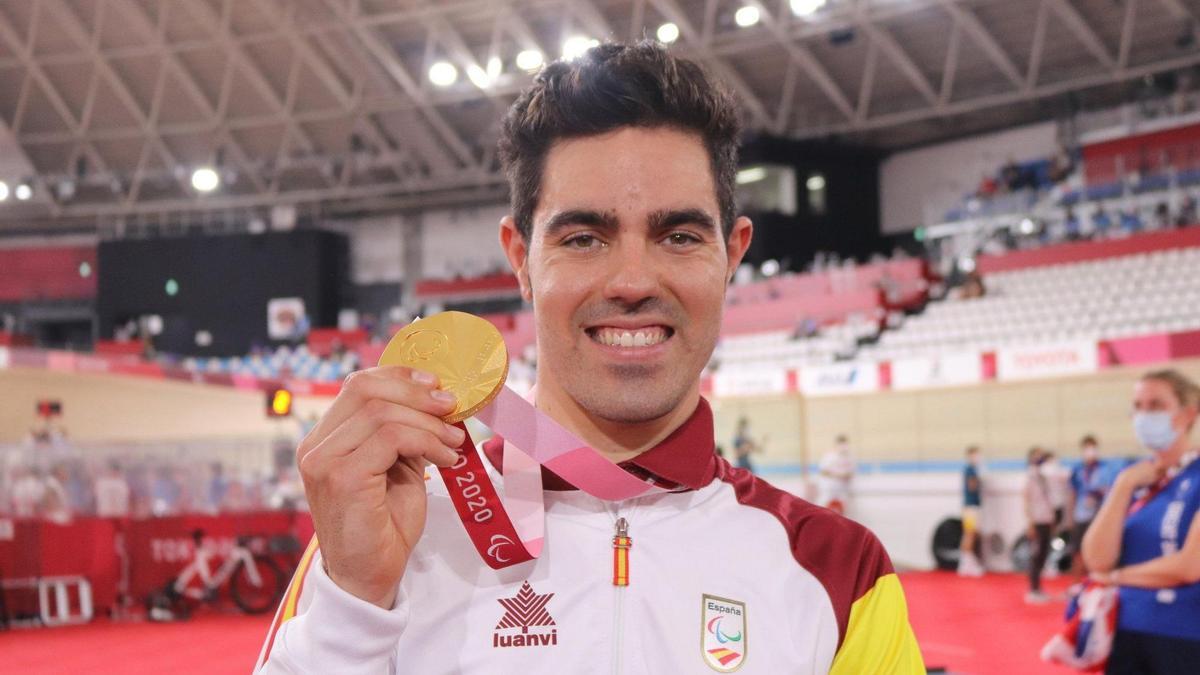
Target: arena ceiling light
23,192
205,179
751,175
3,191
443,73
667,33
806,7
530,60
479,77
815,183
576,45
494,67
746,16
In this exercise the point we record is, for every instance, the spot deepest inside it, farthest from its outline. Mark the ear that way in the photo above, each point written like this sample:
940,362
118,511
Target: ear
517,252
737,245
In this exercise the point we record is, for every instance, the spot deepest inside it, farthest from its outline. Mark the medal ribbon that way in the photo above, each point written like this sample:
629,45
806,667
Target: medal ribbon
509,531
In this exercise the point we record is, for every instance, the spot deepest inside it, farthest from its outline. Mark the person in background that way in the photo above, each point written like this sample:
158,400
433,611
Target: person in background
1146,537
1089,484
744,445
1101,221
1058,478
1039,514
217,487
112,493
969,564
165,493
1187,212
55,505
837,473
27,491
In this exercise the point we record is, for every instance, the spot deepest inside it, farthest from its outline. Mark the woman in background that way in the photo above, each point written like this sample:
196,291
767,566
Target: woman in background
1146,537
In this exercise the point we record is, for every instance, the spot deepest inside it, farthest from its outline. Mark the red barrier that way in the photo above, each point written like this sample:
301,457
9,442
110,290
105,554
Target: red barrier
1075,252
158,548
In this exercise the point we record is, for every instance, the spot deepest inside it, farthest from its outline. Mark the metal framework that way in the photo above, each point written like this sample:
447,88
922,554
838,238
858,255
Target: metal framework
326,103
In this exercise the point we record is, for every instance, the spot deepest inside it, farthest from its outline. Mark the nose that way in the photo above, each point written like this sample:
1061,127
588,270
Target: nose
633,275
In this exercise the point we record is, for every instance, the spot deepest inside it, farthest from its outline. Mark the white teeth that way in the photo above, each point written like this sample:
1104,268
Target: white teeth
615,337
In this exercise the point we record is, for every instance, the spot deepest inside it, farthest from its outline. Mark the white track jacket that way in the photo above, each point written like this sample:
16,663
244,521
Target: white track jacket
726,573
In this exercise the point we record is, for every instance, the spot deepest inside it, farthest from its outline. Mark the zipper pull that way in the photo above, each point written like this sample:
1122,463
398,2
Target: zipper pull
621,545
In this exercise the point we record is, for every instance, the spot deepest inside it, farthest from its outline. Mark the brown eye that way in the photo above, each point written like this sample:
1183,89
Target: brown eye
681,239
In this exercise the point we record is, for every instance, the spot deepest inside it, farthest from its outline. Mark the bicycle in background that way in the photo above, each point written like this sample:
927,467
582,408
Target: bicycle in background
256,583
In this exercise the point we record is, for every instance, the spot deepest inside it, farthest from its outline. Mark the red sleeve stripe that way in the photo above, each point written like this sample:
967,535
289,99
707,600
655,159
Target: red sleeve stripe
843,555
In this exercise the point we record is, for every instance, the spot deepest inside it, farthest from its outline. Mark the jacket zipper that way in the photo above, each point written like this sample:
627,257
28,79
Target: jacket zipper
622,542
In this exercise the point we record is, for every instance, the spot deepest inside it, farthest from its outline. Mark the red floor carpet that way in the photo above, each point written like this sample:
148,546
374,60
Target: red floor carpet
976,626
982,626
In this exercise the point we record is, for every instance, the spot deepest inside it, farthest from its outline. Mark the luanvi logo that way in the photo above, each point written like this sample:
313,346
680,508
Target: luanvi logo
527,613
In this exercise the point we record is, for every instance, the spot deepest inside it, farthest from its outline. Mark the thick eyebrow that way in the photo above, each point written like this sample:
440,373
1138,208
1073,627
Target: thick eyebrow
600,220
667,219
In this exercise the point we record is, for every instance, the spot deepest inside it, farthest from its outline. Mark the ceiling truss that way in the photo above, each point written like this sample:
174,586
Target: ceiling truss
347,115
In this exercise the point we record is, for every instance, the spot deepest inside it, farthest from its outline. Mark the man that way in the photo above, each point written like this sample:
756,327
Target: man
837,472
622,168
112,493
1039,514
1089,484
969,564
744,445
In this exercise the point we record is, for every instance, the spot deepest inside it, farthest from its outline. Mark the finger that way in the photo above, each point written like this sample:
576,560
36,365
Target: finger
398,384
377,413
392,442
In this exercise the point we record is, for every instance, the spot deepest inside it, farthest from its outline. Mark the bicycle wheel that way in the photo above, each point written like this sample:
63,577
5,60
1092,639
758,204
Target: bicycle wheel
258,598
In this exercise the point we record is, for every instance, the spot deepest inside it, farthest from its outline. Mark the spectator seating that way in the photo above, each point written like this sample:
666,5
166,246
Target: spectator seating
1097,299
285,361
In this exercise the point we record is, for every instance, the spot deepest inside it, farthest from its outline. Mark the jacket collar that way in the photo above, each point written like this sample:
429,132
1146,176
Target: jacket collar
685,459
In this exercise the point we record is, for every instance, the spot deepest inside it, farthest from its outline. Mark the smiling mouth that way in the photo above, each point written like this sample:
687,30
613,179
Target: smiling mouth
646,336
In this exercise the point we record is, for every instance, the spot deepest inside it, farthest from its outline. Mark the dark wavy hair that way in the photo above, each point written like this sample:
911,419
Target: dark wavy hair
612,86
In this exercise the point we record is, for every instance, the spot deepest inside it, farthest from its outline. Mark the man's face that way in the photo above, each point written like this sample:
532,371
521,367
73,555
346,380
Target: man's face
626,268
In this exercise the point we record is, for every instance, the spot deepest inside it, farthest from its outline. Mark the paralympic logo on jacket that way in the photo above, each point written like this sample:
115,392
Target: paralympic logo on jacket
723,643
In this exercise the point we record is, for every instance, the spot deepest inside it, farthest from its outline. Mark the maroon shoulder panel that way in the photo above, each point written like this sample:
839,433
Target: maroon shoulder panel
843,555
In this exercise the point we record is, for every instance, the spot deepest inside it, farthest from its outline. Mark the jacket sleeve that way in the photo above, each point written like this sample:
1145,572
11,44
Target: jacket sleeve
878,638
320,628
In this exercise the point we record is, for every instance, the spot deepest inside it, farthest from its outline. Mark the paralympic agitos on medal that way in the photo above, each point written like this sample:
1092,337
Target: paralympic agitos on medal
623,235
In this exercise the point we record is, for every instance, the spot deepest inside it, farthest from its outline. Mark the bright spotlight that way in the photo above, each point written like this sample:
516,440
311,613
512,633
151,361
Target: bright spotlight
530,59
746,16
494,67
815,183
667,33
443,73
478,76
23,192
576,45
205,179
770,268
751,175
806,7
3,191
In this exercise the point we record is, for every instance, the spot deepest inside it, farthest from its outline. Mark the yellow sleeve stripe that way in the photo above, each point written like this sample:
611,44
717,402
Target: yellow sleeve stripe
297,585
878,637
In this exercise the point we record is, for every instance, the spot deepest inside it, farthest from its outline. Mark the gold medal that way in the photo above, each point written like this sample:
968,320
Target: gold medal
466,352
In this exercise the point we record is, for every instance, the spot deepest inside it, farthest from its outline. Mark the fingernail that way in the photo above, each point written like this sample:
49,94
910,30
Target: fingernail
456,433
423,377
442,395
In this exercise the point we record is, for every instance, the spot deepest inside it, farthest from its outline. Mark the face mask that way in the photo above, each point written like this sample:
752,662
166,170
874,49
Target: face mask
1154,430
